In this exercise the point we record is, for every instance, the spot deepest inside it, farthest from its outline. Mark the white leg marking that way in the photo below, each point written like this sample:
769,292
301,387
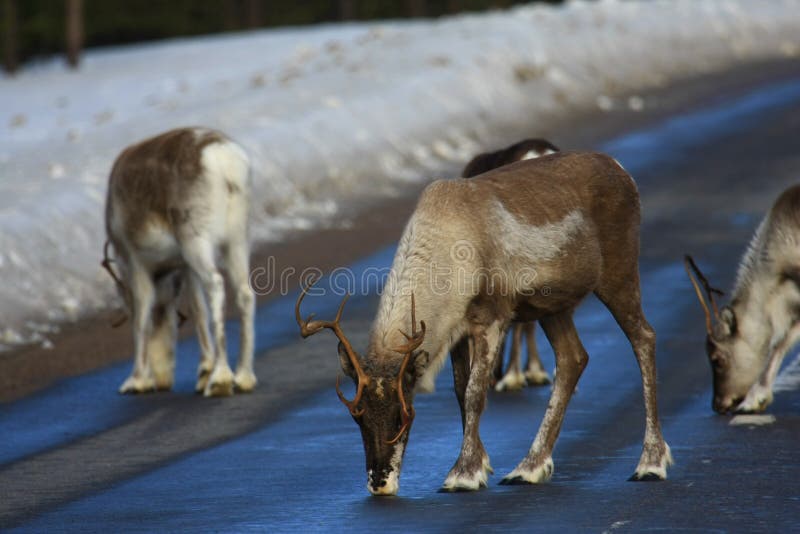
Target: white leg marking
541,473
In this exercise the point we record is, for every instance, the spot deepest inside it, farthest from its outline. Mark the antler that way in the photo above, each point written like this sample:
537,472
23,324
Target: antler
414,341
309,327
688,263
106,263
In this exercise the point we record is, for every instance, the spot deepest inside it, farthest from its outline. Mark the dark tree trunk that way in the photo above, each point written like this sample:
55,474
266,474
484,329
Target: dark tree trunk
231,15
10,42
416,8
74,31
254,14
454,6
347,9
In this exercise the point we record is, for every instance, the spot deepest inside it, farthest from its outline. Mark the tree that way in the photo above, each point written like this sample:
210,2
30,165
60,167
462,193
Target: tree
347,9
10,31
416,8
254,14
74,31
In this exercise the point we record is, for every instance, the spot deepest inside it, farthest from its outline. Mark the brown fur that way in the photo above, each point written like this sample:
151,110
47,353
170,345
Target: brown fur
137,178
599,255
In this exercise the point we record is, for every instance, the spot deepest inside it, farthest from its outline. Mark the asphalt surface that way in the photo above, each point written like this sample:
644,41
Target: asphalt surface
79,457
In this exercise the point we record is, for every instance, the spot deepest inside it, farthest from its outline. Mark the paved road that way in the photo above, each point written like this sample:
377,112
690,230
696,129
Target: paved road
288,457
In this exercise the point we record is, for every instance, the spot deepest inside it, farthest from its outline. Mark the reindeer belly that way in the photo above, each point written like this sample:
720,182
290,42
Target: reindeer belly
561,283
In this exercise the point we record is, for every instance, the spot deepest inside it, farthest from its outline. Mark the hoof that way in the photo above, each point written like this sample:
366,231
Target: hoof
134,385
245,380
461,478
202,379
537,377
464,482
646,477
524,475
513,381
514,481
653,465
220,383
756,401
164,383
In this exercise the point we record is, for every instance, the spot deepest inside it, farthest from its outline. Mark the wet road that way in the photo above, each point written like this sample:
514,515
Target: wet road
288,457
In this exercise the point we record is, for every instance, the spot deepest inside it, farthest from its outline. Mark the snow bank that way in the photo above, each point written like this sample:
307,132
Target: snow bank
329,115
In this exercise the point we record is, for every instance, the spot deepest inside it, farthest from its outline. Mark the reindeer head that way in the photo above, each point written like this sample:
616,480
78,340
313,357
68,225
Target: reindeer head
733,362
382,406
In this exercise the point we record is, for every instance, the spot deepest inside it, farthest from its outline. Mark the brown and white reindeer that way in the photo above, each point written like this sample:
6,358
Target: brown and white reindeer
527,240
176,213
514,378
748,338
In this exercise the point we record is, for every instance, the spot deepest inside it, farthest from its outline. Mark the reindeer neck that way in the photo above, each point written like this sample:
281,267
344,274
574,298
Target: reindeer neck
410,274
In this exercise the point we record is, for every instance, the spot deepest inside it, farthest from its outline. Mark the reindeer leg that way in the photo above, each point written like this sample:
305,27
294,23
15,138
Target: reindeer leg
624,303
161,345
199,255
143,294
460,358
497,368
571,359
534,371
200,314
238,260
470,469
513,379
760,394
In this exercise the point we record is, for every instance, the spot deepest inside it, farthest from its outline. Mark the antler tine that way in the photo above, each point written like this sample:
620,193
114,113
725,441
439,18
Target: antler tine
414,341
710,290
688,264
309,327
106,263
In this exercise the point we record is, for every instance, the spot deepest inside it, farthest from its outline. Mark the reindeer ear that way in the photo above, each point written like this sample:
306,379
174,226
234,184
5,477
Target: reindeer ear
727,323
344,361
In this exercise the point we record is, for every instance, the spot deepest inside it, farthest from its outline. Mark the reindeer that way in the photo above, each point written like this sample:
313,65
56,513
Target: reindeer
528,240
748,338
176,212
534,370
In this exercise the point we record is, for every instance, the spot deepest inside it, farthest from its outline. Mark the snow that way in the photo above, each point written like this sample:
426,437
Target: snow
329,115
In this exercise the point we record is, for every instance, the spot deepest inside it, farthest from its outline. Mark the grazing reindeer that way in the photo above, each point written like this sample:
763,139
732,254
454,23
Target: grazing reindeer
748,339
534,370
177,211
528,240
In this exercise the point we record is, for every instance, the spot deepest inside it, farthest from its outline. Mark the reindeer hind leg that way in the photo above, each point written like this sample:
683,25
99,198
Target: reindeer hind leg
571,359
623,299
199,255
238,259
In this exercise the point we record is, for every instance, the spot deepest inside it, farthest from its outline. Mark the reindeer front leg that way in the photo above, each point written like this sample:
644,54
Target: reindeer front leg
571,359
470,470
760,394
